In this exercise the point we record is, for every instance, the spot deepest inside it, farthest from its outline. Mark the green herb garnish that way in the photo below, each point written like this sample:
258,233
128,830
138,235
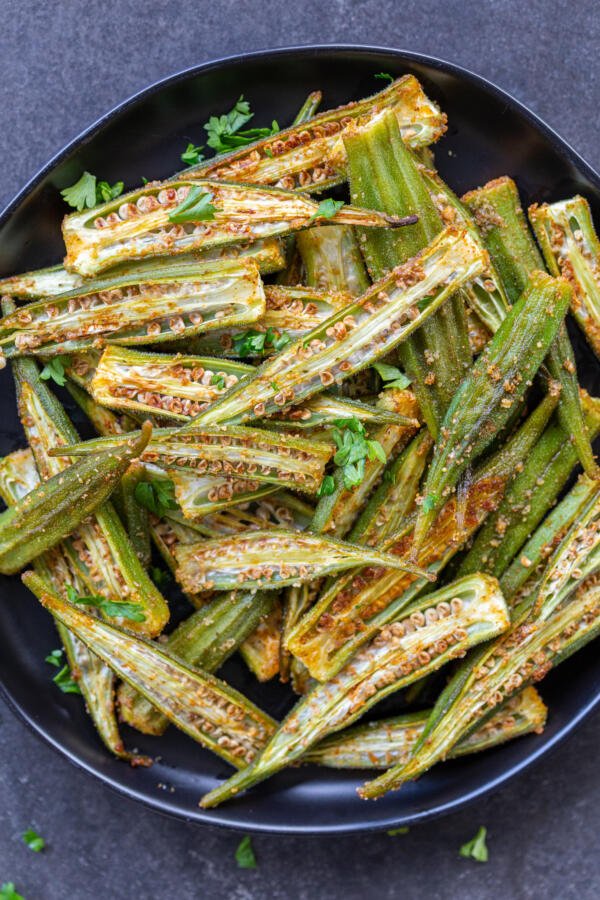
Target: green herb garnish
54,658
111,608
218,381
8,892
88,192
55,369
353,450
157,495
224,132
394,832
192,155
244,855
65,682
385,76
327,209
195,208
33,840
476,848
250,343
391,376
327,486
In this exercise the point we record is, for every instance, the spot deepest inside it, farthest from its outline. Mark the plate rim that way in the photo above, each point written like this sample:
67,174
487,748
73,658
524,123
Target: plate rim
221,816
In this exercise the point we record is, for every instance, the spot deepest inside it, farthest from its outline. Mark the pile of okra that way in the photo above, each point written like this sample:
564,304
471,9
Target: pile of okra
348,424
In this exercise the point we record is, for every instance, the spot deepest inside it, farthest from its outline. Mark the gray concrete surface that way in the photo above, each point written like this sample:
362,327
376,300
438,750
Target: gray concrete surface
63,63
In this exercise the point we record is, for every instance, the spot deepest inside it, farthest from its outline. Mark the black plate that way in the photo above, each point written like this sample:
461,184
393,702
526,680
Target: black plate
490,134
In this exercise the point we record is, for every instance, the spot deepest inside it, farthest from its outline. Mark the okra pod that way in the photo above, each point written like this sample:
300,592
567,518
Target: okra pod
261,649
204,707
497,210
356,336
379,745
55,508
162,307
169,218
308,108
281,509
566,234
332,259
311,157
429,634
273,559
205,639
135,516
356,605
485,399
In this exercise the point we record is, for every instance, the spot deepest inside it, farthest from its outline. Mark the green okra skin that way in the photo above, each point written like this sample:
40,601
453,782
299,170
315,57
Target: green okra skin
100,548
55,508
309,108
204,707
231,450
310,156
541,636
566,234
544,539
425,637
497,211
40,283
332,259
205,639
161,219
357,335
18,476
144,308
135,515
383,170
381,744
354,606
499,378
273,559
534,489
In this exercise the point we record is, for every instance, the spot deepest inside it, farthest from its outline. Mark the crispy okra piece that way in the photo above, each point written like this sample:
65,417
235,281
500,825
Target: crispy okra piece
486,398
356,605
135,516
204,707
205,639
332,259
547,627
425,637
281,509
356,336
54,509
311,156
169,218
126,310
261,649
498,213
273,559
381,744
19,476
566,234
383,170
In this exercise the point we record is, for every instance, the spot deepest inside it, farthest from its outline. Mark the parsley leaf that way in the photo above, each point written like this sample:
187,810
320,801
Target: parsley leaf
327,209
224,132
327,486
244,855
429,502
54,658
353,450
250,343
192,155
476,848
195,208
218,381
157,495
55,369
391,376
160,577
8,892
33,840
385,76
65,682
131,611
88,192
393,832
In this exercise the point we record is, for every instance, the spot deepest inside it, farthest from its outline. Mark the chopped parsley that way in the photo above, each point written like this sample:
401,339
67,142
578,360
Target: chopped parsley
218,381
250,343
89,192
8,892
33,840
54,658
385,76
65,682
55,369
157,495
391,376
195,208
476,848
244,854
327,209
111,608
394,832
192,155
429,502
354,448
225,132
327,486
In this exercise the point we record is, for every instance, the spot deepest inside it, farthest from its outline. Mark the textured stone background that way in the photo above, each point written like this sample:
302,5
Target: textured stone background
63,63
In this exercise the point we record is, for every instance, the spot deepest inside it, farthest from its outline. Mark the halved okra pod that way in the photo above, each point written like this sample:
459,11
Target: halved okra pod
571,248
55,508
356,336
137,309
547,627
486,398
273,559
356,605
311,157
205,639
332,259
497,210
425,637
379,745
204,707
165,219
